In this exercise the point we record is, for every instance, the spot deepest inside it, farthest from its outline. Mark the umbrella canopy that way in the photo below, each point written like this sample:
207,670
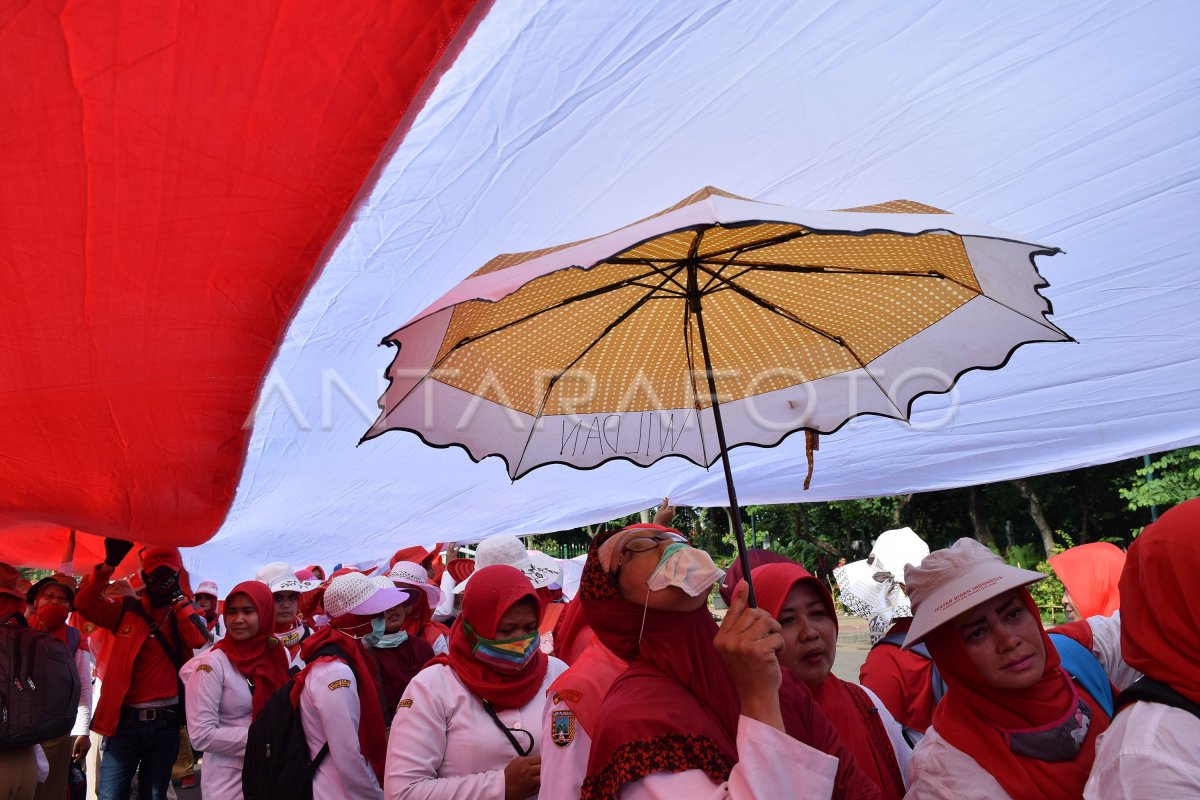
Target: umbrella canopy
603,349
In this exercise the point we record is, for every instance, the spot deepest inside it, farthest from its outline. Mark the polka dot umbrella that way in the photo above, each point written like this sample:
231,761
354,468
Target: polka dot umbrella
718,322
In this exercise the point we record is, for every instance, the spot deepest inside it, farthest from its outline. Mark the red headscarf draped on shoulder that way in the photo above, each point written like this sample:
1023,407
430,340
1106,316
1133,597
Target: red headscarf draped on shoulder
490,594
260,658
1090,573
847,706
1159,605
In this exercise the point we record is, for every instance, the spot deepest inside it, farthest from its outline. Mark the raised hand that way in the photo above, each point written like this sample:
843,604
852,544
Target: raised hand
749,642
115,551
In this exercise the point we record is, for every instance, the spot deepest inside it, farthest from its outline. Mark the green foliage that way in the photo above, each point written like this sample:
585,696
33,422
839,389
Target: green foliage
1168,481
1023,555
1048,593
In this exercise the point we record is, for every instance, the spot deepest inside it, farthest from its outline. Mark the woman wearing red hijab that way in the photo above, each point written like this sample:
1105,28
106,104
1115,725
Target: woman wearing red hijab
228,685
1013,723
697,713
805,612
1151,750
469,723
1089,574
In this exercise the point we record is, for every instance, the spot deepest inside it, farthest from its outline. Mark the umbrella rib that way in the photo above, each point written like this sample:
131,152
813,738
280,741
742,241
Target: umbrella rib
771,242
819,269
788,315
641,301
560,304
588,295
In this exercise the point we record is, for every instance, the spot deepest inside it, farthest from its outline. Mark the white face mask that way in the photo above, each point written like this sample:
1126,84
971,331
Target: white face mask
686,568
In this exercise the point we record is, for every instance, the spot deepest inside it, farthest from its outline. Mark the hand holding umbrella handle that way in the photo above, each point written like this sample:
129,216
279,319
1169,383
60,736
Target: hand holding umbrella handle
749,642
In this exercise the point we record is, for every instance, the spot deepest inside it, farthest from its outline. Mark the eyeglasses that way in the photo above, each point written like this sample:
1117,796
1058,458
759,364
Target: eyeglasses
643,543
649,542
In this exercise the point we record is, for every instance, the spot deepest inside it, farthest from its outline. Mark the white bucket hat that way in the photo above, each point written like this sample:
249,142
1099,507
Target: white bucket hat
280,577
407,575
355,593
873,588
206,587
541,569
951,581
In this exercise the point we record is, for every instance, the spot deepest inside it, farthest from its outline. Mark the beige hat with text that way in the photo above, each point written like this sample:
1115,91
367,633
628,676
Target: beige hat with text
951,581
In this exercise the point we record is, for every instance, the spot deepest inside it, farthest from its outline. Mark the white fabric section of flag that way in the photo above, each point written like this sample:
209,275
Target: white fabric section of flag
1069,123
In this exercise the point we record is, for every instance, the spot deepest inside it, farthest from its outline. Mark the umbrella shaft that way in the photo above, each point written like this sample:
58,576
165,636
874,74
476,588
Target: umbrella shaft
735,514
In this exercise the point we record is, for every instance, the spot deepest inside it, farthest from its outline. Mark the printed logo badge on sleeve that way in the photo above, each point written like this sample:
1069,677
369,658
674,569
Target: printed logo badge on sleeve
340,683
562,728
405,703
203,668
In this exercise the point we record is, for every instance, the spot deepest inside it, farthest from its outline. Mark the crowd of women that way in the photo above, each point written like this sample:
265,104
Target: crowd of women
632,689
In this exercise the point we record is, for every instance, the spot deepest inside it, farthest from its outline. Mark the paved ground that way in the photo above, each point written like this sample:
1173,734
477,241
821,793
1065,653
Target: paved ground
854,642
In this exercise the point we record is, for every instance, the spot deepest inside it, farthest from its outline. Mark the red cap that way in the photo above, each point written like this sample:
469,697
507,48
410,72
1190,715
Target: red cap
155,557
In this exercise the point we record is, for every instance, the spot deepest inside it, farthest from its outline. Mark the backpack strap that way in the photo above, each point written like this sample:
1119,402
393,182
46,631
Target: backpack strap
73,639
1081,665
175,655
156,633
894,638
1149,690
936,682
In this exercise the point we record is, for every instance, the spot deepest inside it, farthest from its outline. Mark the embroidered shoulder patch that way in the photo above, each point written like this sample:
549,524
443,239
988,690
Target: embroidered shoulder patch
562,728
340,683
204,668
405,703
567,696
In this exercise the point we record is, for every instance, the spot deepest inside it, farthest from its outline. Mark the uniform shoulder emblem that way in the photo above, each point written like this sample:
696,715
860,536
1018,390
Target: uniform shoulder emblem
405,703
562,728
204,668
340,683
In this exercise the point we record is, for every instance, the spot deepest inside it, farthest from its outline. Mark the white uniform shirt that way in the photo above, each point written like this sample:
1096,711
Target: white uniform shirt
219,710
330,712
770,764
565,758
83,717
444,745
1106,647
1150,750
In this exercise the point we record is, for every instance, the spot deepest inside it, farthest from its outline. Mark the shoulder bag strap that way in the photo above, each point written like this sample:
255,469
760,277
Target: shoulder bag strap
521,751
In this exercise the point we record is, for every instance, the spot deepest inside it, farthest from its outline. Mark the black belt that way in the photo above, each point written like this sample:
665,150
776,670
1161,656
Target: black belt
159,714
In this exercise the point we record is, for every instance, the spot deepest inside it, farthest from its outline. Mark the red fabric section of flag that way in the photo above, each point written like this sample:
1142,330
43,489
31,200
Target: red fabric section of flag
172,175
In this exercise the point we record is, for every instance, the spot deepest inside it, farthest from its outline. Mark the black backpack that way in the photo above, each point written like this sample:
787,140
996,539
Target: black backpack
1152,691
276,763
39,685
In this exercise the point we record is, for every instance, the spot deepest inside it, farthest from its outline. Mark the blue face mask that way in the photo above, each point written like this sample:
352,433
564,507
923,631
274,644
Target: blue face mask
378,639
